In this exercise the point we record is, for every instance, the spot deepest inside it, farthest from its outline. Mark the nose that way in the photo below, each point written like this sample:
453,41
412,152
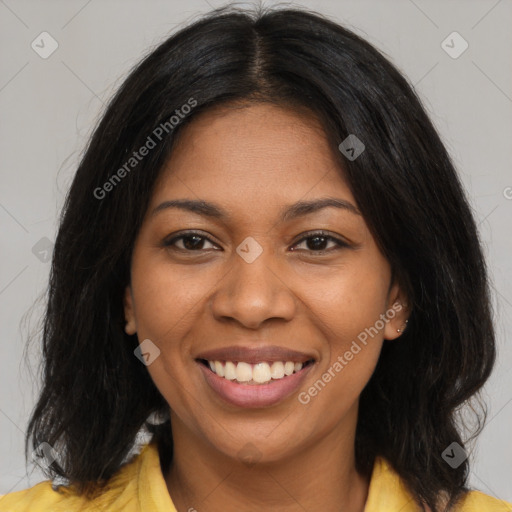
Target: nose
251,293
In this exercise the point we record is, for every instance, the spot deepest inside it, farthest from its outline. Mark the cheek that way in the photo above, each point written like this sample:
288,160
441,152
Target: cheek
347,303
167,298
347,309
347,319
168,304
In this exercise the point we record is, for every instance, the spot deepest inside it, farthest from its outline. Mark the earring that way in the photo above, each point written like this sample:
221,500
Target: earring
402,330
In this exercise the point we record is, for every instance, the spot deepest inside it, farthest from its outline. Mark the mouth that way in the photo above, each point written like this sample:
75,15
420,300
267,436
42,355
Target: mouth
263,372
254,377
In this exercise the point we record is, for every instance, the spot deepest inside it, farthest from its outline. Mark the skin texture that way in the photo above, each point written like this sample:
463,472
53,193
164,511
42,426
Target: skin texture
253,161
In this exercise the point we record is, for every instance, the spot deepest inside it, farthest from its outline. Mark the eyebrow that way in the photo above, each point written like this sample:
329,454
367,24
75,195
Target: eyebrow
290,212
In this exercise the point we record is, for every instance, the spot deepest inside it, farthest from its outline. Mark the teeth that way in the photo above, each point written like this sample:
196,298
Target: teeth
229,371
243,372
289,367
277,370
259,373
219,369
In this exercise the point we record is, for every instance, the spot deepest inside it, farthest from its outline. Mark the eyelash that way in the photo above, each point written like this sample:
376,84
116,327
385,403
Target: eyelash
322,234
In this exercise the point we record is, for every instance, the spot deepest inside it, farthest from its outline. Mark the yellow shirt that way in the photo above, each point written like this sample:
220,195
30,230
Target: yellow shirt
140,486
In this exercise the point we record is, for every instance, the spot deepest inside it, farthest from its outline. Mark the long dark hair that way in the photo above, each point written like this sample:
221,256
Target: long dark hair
96,395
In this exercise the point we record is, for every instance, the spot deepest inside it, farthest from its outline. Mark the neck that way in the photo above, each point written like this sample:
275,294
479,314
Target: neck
321,476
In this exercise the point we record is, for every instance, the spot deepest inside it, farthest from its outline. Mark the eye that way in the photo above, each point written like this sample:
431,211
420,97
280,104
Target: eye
194,242
190,241
315,242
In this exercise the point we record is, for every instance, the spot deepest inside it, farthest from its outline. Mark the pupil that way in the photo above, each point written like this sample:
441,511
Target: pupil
315,244
192,245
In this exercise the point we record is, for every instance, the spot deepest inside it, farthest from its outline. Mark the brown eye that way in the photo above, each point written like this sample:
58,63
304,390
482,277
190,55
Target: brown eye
189,242
316,242
195,242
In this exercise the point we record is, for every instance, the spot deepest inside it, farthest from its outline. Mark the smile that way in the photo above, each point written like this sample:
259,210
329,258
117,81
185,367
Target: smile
242,372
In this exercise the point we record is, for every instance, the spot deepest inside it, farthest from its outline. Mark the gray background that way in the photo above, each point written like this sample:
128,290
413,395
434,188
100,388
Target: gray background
49,107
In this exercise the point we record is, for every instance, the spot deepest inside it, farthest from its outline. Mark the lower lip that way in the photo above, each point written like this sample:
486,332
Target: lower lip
257,395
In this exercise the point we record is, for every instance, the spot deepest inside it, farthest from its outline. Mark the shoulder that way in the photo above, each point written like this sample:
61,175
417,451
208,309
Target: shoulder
476,501
387,493
41,494
117,495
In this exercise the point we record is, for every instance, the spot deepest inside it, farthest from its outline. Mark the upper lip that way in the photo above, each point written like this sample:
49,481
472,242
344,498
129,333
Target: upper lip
255,355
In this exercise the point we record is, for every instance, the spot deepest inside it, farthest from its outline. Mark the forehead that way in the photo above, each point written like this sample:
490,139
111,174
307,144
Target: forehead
255,132
251,156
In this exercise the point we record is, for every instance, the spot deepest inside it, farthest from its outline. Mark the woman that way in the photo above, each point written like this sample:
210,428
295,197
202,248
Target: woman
266,247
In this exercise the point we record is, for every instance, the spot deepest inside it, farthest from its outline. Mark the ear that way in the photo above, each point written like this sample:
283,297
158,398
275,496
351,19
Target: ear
397,313
129,312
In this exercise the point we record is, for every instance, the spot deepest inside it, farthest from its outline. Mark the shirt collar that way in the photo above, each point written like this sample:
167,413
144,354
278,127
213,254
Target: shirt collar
152,489
386,490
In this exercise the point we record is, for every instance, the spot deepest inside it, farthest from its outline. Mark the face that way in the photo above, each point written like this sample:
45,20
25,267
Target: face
256,289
